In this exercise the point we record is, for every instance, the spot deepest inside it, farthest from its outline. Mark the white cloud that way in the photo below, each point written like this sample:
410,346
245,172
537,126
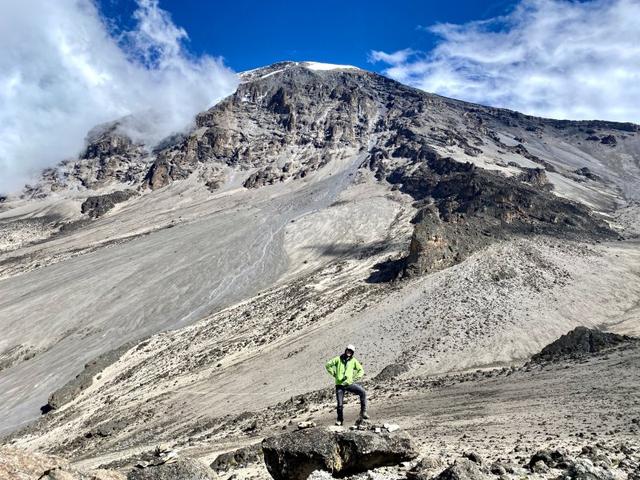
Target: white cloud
400,56
62,72
553,58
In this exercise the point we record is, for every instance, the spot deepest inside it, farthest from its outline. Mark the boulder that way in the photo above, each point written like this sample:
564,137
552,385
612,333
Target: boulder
584,469
463,469
294,456
424,469
237,458
551,458
181,469
539,467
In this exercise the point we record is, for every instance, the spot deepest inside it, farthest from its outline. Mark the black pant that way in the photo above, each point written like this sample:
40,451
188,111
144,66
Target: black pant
353,388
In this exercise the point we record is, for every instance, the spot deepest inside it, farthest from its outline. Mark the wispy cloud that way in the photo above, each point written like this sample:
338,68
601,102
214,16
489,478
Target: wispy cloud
62,71
554,58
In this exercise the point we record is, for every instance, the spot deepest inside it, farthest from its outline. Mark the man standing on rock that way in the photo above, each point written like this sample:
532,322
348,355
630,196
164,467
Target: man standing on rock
345,369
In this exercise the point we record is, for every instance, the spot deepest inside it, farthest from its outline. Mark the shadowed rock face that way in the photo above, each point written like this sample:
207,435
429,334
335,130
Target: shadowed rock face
298,115
294,456
463,208
99,205
581,341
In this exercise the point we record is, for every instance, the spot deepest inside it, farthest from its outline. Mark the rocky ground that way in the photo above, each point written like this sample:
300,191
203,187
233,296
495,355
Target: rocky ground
574,415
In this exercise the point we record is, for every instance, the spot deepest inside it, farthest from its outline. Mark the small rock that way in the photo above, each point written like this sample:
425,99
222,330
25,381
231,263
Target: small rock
474,457
307,424
391,427
497,469
584,469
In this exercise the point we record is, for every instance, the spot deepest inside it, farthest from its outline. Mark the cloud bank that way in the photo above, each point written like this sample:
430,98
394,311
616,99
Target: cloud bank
552,58
63,71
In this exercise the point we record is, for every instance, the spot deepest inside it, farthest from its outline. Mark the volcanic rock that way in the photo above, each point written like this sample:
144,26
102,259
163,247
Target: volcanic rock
294,456
578,342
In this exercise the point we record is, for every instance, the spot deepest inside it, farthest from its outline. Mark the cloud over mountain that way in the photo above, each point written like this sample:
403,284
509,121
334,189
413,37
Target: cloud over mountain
554,58
63,70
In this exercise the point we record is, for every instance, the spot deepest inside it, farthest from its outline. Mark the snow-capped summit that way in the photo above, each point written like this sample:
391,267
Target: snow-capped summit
275,68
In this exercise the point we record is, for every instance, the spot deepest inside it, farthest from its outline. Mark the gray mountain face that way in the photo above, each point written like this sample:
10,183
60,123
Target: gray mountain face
477,174
191,292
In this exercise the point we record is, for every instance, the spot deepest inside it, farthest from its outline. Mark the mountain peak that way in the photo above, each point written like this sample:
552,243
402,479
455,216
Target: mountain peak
278,67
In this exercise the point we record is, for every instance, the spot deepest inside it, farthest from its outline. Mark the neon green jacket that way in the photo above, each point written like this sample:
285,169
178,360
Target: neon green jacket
345,373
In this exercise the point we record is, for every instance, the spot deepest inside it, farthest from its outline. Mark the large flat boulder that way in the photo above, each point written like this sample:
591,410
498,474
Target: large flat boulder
294,456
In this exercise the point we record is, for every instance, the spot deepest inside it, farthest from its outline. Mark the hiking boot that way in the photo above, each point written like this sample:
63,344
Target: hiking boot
364,415
338,423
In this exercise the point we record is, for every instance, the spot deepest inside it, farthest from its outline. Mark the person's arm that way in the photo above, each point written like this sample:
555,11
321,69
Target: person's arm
330,366
358,371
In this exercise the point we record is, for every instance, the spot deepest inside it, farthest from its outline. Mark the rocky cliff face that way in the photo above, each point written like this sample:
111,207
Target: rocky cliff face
477,174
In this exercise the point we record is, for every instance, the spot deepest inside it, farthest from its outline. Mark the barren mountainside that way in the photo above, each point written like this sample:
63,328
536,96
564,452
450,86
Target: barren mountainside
180,293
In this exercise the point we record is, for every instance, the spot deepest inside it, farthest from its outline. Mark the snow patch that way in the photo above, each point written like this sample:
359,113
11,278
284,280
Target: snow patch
326,66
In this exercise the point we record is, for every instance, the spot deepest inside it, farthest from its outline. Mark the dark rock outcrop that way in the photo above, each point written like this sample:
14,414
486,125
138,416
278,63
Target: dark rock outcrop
99,205
463,208
294,456
579,342
609,140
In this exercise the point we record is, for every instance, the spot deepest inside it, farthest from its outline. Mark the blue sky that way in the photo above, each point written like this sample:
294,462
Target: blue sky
252,33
